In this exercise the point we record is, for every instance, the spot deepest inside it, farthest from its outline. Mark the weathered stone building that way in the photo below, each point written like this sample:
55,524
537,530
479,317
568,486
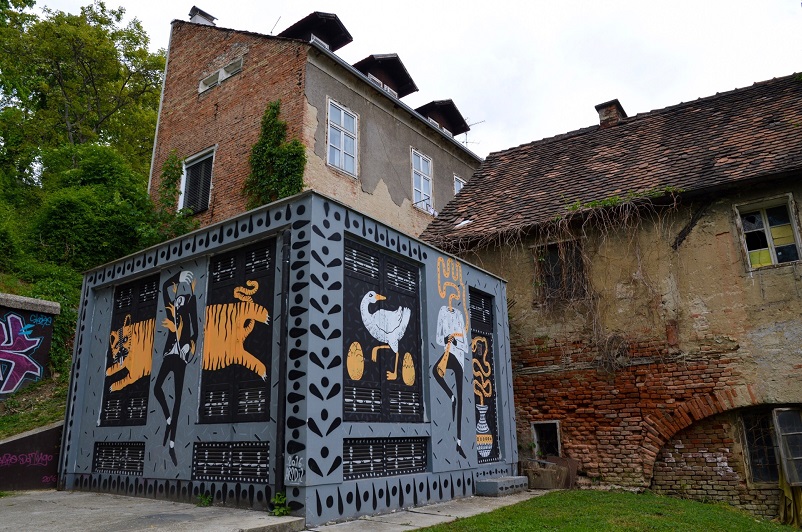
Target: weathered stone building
364,146
655,291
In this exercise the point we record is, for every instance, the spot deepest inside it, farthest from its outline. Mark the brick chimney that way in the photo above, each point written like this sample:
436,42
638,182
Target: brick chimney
199,16
610,113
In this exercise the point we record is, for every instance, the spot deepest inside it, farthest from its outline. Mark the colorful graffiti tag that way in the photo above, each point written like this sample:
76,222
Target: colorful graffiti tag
16,353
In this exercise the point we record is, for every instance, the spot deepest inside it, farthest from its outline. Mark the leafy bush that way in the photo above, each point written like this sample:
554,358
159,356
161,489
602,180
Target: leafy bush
87,226
57,283
163,222
9,246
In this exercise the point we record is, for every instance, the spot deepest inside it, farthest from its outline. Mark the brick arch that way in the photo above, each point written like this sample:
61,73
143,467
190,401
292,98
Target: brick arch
661,426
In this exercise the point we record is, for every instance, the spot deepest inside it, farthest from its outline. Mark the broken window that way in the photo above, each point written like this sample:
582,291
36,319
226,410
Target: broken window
760,447
546,437
788,425
560,271
769,233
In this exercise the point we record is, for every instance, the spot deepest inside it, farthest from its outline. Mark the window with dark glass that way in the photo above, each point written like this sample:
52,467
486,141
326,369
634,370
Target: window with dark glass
381,337
560,271
760,446
788,426
197,184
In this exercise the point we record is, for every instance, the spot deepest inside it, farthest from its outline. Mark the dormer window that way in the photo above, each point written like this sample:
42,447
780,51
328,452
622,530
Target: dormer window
376,81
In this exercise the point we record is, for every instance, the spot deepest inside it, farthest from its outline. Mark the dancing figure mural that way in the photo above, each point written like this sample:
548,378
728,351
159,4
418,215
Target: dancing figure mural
452,335
181,323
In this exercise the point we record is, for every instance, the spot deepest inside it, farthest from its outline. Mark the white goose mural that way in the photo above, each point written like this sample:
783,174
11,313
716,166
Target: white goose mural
386,326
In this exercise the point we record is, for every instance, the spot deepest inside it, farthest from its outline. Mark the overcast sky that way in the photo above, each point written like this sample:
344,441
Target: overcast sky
524,70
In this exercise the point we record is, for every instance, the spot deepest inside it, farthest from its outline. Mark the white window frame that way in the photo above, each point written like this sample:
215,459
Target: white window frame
458,179
786,200
419,197
215,78
343,132
188,162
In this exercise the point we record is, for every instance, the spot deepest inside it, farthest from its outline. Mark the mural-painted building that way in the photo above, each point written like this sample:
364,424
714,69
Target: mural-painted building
300,347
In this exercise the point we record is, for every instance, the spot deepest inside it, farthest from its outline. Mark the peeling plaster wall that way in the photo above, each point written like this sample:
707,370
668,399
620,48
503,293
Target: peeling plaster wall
386,133
704,335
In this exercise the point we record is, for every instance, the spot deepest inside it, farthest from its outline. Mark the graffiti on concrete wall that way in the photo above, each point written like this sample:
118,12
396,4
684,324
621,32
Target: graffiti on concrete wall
17,347
29,461
295,470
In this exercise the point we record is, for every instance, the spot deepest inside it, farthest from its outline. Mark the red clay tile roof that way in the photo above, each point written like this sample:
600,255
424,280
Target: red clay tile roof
720,140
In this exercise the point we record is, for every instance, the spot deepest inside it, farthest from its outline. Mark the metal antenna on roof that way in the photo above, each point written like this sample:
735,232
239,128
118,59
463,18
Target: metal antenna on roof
274,25
466,141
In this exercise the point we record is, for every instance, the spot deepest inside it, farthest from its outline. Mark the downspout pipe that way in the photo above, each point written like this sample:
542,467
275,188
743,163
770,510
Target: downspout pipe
281,407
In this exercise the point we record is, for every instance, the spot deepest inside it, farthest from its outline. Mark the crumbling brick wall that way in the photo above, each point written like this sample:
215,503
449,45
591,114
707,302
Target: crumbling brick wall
228,115
706,462
615,423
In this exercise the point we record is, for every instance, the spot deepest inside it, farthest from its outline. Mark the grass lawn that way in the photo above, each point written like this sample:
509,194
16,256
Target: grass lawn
34,406
605,510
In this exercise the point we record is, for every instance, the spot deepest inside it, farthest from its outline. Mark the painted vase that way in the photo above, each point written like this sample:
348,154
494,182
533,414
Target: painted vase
484,439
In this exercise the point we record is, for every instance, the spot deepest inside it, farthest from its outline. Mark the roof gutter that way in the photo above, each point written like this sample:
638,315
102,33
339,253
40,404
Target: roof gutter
393,99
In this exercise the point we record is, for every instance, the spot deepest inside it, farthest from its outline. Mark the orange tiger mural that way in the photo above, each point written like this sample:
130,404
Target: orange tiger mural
226,328
132,350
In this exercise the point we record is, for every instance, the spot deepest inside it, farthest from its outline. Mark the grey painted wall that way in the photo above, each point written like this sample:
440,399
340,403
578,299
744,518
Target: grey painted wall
386,134
320,437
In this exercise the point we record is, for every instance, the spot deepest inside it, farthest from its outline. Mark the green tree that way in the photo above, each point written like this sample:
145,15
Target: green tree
74,79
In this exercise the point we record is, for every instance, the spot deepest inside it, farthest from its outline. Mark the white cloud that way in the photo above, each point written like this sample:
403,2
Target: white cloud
533,69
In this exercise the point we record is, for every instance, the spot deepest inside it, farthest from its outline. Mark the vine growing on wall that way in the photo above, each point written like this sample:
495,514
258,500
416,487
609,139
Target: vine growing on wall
167,221
277,166
578,236
172,169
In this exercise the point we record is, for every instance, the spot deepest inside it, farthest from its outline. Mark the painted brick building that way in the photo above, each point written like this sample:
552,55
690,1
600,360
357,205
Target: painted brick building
364,146
654,277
